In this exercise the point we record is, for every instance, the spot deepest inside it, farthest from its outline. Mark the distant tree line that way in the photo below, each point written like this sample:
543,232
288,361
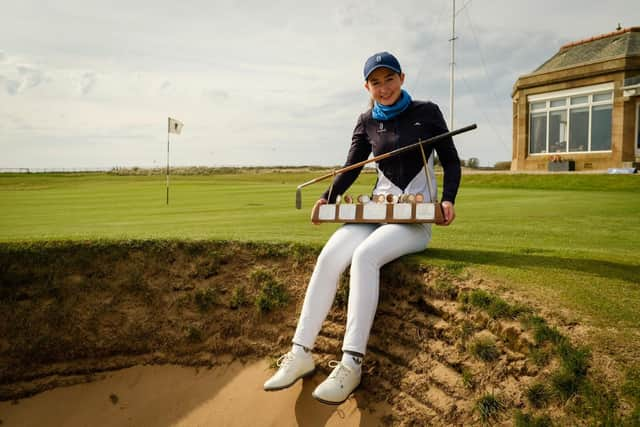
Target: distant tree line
474,163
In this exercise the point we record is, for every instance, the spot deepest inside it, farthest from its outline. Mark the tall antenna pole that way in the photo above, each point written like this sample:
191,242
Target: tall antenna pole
453,62
168,139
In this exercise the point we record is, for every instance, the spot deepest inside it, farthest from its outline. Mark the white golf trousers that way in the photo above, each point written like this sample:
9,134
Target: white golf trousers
367,247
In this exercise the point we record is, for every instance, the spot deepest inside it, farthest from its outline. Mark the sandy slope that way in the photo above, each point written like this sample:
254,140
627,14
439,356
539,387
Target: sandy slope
169,395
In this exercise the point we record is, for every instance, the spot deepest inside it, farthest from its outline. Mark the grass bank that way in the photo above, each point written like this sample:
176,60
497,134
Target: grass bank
566,242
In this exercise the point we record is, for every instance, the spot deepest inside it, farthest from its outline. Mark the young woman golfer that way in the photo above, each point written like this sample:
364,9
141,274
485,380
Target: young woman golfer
394,121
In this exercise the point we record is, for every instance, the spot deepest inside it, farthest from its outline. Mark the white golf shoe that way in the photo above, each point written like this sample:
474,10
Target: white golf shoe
339,385
291,368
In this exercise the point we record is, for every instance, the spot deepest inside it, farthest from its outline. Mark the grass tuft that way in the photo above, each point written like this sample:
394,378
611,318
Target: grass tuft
260,276
455,268
212,264
205,299
271,294
194,334
301,253
527,420
634,418
485,349
595,401
445,289
543,333
539,356
571,376
467,379
538,395
268,250
631,386
489,406
480,299
238,298
574,359
565,384
495,306
466,331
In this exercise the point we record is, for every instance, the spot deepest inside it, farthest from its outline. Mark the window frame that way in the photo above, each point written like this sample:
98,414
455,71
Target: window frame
567,95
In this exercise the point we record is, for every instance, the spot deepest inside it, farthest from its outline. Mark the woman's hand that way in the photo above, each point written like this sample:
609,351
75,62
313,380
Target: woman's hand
317,206
449,213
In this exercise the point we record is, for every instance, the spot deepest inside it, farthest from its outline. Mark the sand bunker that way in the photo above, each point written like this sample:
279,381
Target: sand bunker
169,395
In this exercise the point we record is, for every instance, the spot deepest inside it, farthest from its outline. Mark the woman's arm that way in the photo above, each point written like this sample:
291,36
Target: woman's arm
449,159
450,162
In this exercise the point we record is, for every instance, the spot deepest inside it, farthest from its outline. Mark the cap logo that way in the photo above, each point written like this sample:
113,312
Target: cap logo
378,58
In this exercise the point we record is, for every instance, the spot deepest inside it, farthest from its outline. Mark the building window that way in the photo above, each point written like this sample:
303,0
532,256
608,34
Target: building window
538,132
572,121
601,127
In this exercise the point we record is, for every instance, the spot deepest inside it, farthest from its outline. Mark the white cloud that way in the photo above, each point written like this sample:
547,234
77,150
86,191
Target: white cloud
87,82
17,77
257,83
216,95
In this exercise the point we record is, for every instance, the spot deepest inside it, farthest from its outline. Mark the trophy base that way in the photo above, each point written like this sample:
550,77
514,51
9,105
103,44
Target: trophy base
389,213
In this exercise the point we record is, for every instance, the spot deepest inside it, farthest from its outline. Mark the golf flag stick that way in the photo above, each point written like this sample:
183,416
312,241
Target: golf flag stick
380,157
168,133
173,126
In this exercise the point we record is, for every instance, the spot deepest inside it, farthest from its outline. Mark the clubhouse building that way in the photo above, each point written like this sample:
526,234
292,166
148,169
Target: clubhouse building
580,110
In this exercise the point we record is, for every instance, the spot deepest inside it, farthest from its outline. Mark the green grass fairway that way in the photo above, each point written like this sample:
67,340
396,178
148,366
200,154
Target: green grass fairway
567,240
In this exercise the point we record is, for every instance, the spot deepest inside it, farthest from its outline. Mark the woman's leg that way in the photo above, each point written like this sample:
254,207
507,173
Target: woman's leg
332,261
385,244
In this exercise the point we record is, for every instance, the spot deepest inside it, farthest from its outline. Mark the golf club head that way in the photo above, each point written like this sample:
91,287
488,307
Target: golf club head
298,198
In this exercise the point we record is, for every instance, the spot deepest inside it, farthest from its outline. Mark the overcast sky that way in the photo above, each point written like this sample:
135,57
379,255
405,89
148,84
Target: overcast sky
88,83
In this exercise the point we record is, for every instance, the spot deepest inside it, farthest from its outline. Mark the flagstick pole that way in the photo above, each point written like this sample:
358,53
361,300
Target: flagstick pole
168,133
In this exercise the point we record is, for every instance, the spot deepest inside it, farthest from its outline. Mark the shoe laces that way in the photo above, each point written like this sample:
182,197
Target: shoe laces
285,360
341,372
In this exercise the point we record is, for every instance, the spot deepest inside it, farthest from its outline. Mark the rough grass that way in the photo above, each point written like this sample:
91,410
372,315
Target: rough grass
538,395
489,406
205,299
571,384
527,420
272,294
239,297
543,333
495,306
485,349
631,387
467,379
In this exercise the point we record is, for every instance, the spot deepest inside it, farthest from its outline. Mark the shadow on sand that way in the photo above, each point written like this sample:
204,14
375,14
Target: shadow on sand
311,413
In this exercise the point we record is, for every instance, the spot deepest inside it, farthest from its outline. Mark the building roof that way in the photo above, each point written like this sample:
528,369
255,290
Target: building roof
622,43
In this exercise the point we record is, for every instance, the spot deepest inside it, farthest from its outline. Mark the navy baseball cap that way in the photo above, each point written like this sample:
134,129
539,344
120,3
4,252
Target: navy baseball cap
379,60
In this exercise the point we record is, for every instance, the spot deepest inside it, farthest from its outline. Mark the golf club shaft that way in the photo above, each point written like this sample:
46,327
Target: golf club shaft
389,154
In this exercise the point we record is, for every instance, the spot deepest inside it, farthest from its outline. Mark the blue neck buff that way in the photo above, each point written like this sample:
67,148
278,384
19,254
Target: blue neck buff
387,112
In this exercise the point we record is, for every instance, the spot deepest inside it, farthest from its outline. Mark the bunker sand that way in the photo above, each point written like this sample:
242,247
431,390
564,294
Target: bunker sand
170,395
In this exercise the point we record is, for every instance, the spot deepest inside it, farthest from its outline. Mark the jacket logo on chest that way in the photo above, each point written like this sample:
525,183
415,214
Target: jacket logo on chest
381,128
